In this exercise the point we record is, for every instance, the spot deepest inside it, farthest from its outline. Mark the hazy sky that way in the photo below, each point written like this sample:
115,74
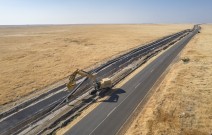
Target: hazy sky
14,12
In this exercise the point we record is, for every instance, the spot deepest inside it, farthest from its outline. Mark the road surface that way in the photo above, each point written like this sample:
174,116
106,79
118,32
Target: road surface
18,120
109,116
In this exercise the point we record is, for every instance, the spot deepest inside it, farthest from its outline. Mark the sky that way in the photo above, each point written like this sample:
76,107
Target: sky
26,12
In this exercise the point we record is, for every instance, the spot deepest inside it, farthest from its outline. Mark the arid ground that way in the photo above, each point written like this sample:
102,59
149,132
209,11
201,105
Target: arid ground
182,104
32,57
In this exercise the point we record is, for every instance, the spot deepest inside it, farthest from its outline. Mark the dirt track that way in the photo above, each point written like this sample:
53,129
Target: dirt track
32,57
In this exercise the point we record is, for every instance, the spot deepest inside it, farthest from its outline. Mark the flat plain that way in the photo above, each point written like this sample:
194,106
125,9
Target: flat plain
33,57
182,104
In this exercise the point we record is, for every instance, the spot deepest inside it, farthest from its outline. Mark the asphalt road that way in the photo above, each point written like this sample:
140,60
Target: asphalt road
19,119
109,116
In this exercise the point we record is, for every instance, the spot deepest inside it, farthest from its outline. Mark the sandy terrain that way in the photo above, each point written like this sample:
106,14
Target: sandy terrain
33,57
182,104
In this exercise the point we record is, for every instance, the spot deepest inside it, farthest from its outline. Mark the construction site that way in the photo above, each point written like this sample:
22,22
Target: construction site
61,103
105,68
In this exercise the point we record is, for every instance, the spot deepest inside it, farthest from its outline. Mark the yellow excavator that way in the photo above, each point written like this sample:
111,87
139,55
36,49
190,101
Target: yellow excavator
104,83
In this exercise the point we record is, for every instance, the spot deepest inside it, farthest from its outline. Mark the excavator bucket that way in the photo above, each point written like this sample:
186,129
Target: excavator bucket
71,85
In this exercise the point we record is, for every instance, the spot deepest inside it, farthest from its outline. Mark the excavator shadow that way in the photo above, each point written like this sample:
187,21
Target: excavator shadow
114,96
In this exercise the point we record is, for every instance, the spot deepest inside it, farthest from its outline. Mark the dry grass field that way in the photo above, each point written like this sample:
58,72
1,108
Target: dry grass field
32,57
182,105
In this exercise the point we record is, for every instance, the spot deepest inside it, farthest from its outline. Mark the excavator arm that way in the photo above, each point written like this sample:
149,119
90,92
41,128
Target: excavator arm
72,78
104,83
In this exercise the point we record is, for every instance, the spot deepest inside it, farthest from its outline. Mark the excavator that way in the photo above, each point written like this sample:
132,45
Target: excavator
104,83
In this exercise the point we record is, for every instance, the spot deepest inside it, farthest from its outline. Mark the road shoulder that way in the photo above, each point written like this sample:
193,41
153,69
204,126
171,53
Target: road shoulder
182,103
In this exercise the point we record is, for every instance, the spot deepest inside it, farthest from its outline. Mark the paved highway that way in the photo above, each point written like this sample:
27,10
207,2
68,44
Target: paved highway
18,120
109,116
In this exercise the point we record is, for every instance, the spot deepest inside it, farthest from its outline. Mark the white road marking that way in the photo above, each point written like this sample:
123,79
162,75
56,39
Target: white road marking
119,105
137,85
111,112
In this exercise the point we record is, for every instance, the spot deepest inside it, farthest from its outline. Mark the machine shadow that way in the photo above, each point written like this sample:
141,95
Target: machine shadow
113,97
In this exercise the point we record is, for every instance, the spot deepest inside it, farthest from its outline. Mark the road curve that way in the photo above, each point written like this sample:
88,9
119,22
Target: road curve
111,114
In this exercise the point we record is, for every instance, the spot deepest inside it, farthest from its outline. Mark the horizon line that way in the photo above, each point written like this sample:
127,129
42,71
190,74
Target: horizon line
40,24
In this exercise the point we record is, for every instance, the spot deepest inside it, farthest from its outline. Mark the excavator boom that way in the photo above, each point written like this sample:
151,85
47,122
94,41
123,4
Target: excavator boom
72,78
98,85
